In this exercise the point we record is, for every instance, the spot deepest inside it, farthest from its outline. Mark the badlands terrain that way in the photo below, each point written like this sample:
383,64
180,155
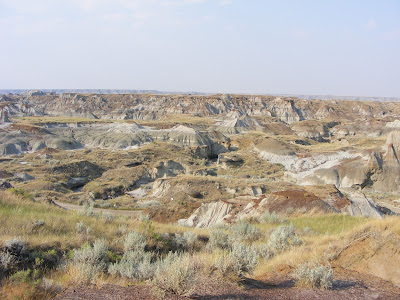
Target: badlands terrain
237,196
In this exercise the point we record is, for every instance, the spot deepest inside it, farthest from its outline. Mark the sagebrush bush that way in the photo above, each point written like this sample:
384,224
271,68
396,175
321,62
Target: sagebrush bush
185,240
134,241
143,217
16,245
271,217
175,274
190,237
265,251
7,261
80,227
91,260
219,239
88,210
244,231
134,265
240,260
314,275
283,238
108,217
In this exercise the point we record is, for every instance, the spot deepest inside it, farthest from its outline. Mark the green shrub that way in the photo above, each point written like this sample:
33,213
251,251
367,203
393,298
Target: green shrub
134,265
190,237
315,275
219,239
175,274
242,259
244,231
265,251
185,240
21,276
21,192
91,260
80,227
16,245
272,217
283,238
134,241
7,261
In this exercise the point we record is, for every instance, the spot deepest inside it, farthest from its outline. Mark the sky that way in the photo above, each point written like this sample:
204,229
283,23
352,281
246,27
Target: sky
313,47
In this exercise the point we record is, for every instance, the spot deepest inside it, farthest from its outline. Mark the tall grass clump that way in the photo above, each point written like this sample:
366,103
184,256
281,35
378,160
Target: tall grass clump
175,274
314,275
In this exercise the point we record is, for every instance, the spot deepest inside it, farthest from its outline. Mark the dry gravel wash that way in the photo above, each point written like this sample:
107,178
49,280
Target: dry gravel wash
114,212
347,285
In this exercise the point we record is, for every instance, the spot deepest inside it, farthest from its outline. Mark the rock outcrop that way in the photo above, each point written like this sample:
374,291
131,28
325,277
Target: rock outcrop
208,215
286,203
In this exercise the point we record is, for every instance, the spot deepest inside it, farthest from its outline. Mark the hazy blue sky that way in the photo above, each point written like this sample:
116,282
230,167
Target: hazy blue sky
245,46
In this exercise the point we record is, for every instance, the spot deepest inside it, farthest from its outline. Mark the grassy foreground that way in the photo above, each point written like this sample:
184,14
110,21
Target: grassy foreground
60,248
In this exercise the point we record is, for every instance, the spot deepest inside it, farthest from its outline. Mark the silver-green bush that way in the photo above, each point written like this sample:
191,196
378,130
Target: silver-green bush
7,261
240,260
219,239
244,231
135,265
315,275
283,238
271,217
175,274
185,240
134,241
265,251
80,227
91,260
190,237
16,245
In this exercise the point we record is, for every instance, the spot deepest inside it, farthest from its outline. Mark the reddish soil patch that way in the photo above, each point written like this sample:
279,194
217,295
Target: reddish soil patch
28,128
297,199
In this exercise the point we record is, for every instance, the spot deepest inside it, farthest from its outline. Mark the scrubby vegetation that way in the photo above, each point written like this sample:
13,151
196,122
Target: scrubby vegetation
66,247
314,275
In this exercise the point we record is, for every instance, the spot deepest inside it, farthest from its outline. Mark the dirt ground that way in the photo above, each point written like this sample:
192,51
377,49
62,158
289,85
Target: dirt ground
347,285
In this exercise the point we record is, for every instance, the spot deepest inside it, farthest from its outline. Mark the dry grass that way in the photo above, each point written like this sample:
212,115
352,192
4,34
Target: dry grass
333,234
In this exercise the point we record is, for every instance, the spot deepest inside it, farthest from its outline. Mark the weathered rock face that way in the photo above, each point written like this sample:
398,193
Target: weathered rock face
168,169
237,122
362,206
35,93
376,171
284,202
4,116
208,215
312,130
150,107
